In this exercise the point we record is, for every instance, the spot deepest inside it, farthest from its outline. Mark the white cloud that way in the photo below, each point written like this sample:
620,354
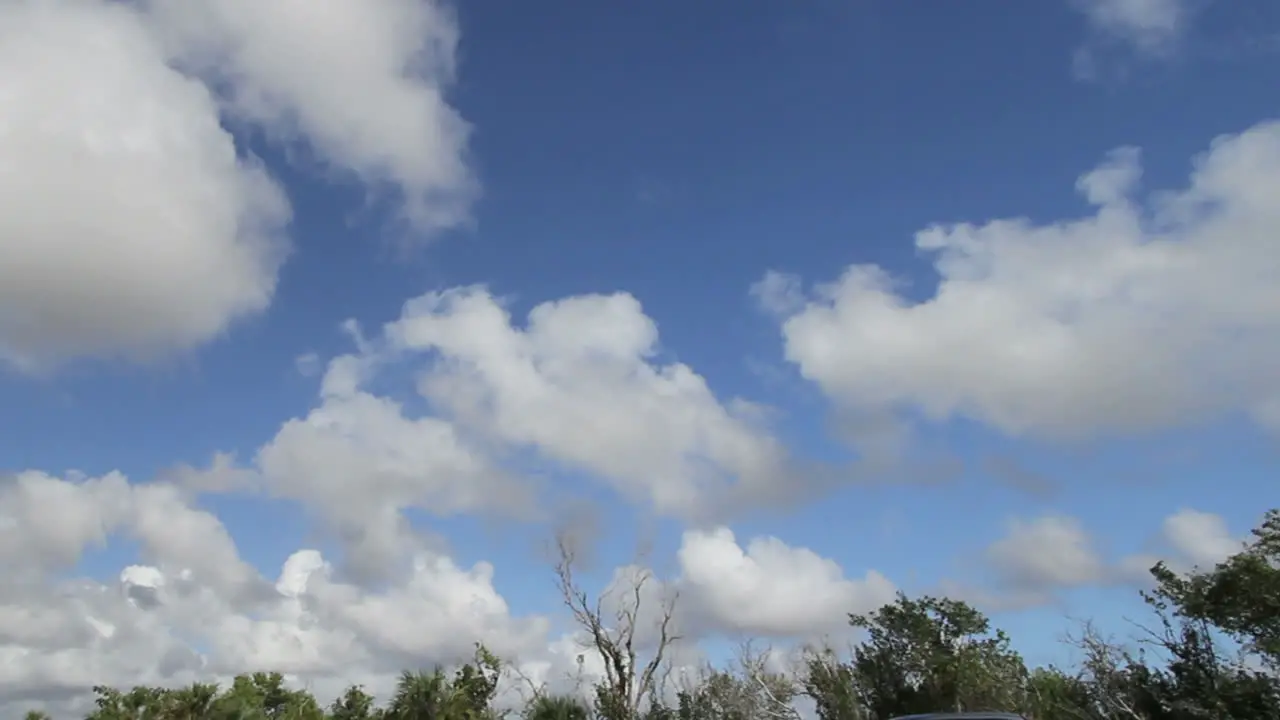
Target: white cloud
779,294
1048,552
1150,25
1141,29
1133,318
580,384
128,225
172,534
360,82
577,389
1199,538
359,460
770,588
185,615
192,609
437,613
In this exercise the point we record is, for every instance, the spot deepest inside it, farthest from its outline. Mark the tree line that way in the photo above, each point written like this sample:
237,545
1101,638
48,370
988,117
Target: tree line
1211,651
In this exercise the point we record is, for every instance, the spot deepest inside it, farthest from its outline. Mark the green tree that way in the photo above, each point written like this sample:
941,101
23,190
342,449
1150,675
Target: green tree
420,696
920,655
475,684
556,707
355,704
1054,694
140,703
263,696
925,655
833,686
436,696
194,702
1194,678
1240,596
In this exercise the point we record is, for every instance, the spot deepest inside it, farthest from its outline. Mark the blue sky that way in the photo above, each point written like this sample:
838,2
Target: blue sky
678,152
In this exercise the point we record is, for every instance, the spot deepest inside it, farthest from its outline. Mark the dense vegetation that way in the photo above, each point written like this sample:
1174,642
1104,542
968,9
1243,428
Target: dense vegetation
919,655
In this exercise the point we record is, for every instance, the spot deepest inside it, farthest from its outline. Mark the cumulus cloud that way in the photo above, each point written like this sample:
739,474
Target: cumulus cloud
580,384
129,226
769,588
132,226
88,511
359,460
360,82
191,609
506,411
186,615
1136,317
577,387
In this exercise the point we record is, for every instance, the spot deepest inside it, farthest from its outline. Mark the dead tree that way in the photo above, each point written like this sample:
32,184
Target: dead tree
626,685
748,690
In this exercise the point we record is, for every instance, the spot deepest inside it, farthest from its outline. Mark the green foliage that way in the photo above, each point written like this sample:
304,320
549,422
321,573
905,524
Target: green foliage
745,693
834,687
1052,693
611,702
1240,596
467,695
556,707
919,655
935,654
355,704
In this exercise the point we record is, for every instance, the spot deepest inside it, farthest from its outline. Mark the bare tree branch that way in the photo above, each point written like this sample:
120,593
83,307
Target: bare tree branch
627,685
1104,665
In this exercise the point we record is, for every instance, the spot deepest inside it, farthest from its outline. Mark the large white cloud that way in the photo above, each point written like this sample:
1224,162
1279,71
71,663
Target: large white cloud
577,387
128,225
194,610
508,411
197,611
360,82
48,522
359,460
580,384
1137,317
